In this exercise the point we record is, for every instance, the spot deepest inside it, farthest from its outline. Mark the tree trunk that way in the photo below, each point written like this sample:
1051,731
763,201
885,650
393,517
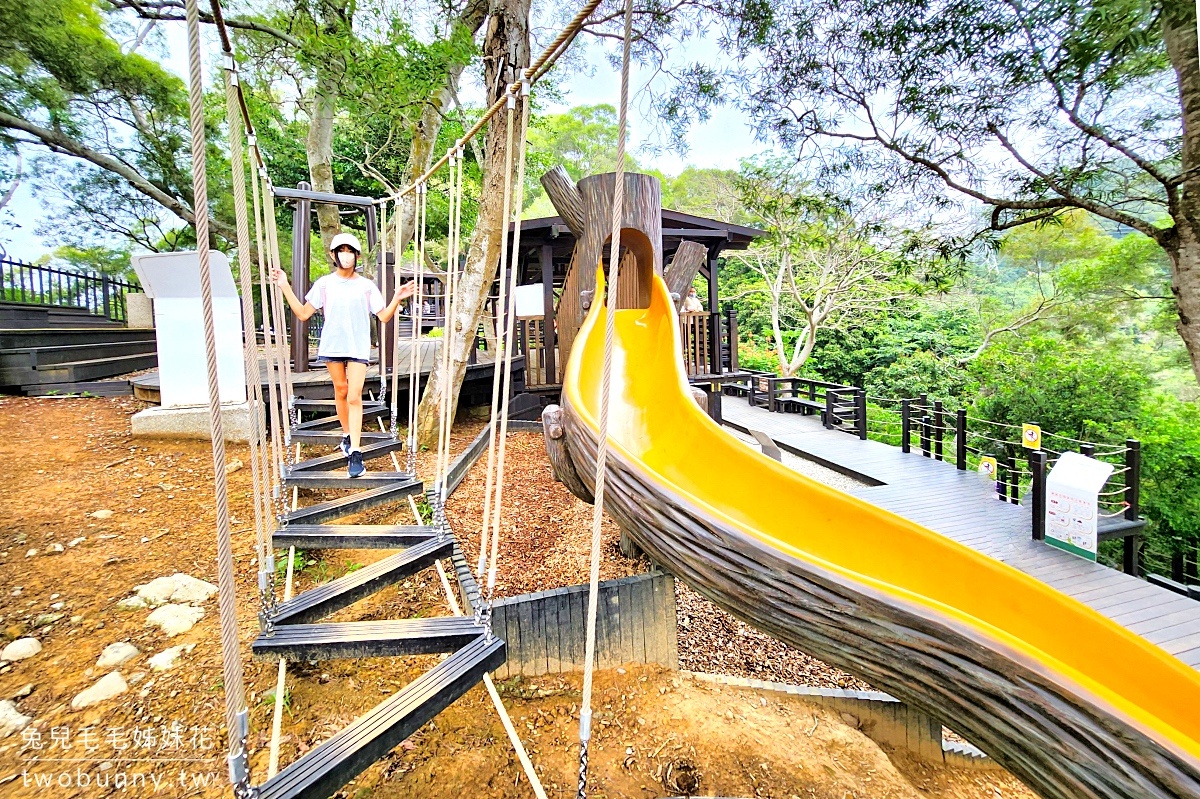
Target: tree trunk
319,148
1183,246
505,52
429,125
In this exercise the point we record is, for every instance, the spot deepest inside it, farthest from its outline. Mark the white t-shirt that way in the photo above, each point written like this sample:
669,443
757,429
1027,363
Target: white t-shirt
347,306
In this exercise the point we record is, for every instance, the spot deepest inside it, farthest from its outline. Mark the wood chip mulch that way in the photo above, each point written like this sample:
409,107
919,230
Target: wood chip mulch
546,532
546,543
712,641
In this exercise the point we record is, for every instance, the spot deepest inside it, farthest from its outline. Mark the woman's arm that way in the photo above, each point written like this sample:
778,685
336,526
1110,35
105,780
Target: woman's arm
302,310
402,293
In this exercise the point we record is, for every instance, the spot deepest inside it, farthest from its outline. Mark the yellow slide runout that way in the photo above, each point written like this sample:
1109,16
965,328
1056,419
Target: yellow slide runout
655,425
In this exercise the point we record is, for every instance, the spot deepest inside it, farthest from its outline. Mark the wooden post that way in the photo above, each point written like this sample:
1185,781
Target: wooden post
1014,481
1133,478
733,339
831,398
1037,465
937,428
714,342
960,439
548,339
713,252
752,384
860,413
905,425
1133,493
715,391
772,388
301,234
925,447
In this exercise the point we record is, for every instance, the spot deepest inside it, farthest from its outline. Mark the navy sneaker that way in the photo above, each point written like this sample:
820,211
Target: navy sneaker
345,445
357,469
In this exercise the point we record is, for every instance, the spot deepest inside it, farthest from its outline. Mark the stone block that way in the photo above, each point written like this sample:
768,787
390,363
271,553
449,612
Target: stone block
191,422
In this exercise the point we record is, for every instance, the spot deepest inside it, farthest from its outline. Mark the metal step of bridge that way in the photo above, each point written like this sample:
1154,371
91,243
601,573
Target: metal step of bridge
338,461
353,503
351,536
367,639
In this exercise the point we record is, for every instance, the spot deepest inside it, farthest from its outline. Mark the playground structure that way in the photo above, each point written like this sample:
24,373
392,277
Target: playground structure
1074,704
1071,702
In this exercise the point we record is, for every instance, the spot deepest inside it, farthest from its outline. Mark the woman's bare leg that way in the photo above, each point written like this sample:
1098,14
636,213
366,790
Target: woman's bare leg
337,372
356,375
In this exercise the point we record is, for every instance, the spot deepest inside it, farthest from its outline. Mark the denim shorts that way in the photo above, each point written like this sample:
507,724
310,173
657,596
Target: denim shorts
342,360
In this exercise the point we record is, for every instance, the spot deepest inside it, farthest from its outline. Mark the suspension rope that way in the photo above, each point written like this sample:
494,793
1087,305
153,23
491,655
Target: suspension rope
448,331
614,260
509,344
395,337
497,373
415,353
236,713
383,271
271,340
257,436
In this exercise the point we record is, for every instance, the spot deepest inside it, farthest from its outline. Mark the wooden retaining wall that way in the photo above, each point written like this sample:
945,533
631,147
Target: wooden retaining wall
635,623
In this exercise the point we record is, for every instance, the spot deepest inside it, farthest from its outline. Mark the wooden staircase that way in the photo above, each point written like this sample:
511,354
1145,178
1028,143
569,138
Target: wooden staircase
296,630
51,350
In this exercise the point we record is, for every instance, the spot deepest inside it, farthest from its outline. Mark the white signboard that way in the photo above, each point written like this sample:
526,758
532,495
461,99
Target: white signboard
530,302
1072,490
173,281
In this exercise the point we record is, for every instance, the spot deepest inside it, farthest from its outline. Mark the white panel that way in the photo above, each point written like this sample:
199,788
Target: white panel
530,302
173,280
177,274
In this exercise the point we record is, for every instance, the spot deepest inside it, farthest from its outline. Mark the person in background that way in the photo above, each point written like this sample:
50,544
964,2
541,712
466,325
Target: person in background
691,303
347,299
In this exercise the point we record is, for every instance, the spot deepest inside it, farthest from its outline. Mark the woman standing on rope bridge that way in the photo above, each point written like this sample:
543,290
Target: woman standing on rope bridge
348,300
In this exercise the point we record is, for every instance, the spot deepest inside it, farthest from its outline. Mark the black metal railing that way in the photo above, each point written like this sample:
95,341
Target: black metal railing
47,286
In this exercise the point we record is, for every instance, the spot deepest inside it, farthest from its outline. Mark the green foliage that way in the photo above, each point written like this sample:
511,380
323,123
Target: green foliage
1170,434
1090,395
54,52
912,338
112,261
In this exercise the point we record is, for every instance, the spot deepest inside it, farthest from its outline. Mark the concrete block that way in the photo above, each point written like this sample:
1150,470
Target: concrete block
191,422
139,310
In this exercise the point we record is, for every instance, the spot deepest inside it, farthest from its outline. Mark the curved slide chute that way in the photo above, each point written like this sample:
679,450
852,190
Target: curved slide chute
1072,703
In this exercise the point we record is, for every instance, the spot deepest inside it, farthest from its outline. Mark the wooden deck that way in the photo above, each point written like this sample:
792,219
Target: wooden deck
963,506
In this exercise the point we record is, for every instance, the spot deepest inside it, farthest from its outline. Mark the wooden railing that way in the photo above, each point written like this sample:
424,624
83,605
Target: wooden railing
531,342
709,343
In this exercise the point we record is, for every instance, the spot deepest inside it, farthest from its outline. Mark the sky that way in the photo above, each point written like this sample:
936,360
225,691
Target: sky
721,142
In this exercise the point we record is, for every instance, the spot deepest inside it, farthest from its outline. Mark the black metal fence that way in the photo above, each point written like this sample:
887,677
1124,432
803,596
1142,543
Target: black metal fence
61,288
937,431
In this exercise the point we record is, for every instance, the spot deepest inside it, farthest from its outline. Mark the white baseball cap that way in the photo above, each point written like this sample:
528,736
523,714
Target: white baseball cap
345,238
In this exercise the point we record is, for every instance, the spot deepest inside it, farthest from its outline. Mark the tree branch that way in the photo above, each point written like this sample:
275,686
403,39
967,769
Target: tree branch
58,142
157,10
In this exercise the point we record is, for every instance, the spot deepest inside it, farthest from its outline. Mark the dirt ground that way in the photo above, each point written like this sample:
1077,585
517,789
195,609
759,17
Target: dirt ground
656,733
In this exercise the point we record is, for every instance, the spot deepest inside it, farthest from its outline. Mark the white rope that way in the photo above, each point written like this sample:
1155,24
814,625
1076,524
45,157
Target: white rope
236,715
535,782
485,526
418,316
509,344
281,678
383,271
257,436
448,331
395,328
611,286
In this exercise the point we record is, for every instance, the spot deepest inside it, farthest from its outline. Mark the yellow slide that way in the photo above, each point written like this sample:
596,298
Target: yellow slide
672,453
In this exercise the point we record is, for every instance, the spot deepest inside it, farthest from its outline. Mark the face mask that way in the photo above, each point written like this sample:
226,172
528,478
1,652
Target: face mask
345,259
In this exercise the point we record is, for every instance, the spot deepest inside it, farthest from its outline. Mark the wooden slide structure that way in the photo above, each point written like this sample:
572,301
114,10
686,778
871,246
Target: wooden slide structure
1070,702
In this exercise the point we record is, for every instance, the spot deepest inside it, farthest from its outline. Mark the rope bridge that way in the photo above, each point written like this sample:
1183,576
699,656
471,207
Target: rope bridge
288,627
